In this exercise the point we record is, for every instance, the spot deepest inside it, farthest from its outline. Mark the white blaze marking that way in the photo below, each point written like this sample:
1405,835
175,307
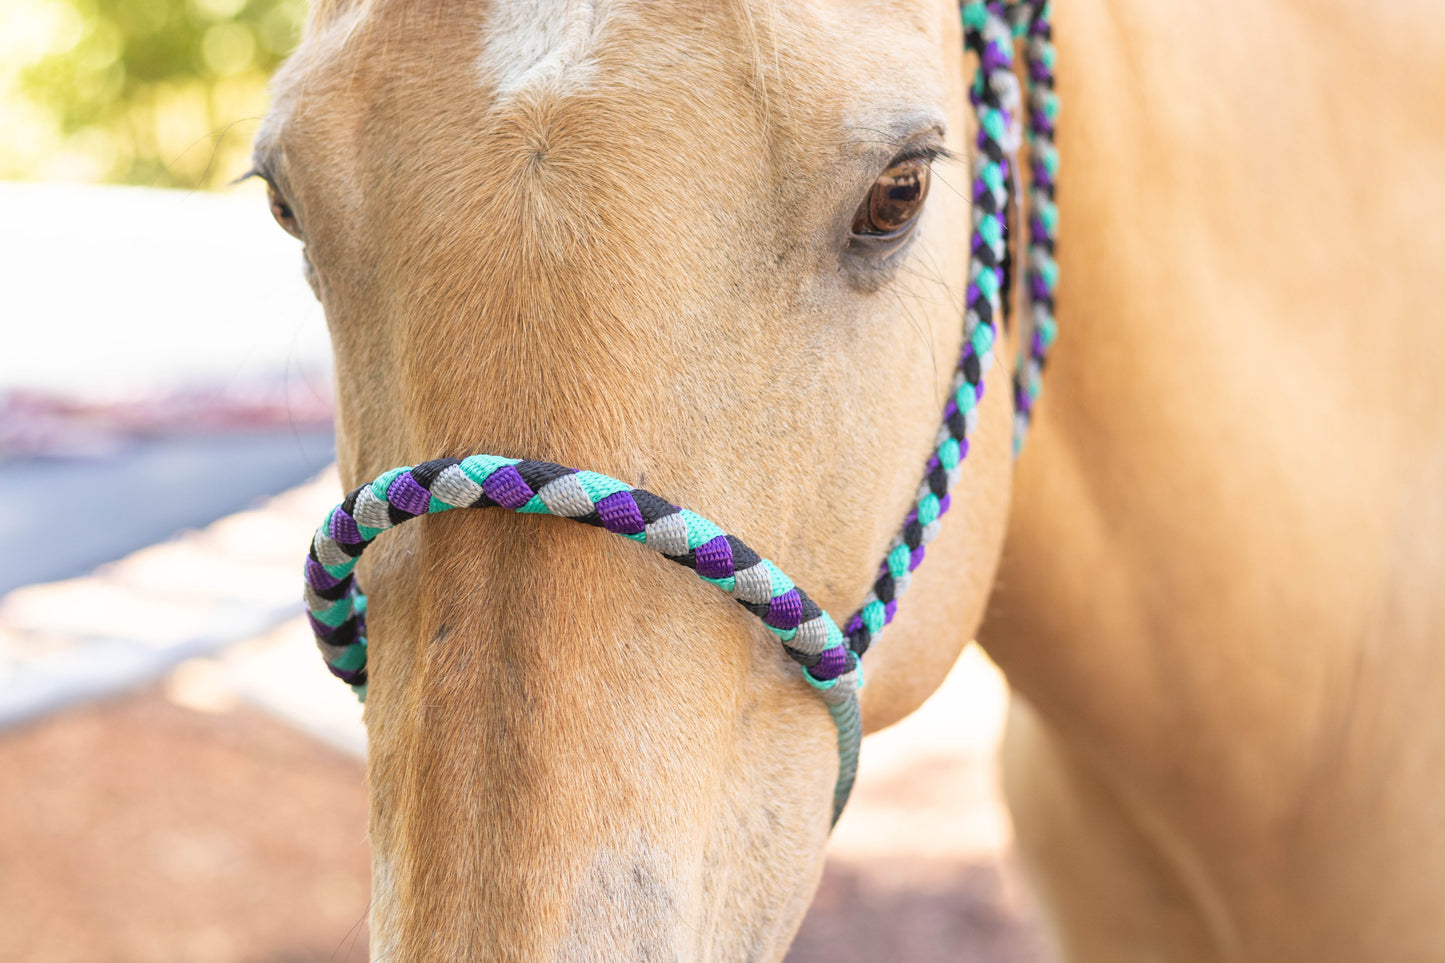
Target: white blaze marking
533,43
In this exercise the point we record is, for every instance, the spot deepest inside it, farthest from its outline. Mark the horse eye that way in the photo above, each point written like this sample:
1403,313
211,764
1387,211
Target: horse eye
282,212
895,200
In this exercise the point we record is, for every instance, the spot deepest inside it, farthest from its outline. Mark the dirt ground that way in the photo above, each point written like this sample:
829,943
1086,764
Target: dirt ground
140,831
137,831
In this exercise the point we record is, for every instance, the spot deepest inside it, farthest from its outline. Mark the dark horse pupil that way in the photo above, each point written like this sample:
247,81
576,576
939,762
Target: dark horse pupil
904,192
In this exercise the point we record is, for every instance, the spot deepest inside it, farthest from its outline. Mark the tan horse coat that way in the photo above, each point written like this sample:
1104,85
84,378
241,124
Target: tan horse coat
614,235
1224,588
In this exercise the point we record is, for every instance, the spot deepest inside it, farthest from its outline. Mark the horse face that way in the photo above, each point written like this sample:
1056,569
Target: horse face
645,239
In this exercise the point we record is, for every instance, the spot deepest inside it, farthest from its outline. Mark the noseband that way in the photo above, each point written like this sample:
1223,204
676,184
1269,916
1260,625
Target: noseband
828,655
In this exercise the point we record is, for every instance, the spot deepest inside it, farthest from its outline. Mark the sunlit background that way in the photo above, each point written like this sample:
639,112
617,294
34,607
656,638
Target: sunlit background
148,92
182,780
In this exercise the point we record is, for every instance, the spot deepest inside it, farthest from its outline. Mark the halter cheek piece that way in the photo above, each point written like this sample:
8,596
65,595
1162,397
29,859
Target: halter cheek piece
829,656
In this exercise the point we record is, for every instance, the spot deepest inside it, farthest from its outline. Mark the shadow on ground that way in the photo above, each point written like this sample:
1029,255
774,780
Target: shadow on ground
916,912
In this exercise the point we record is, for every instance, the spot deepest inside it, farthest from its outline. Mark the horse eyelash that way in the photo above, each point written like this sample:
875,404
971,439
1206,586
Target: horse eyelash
928,154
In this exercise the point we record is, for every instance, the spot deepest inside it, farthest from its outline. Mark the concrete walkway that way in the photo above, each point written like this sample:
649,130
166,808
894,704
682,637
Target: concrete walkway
61,517
133,620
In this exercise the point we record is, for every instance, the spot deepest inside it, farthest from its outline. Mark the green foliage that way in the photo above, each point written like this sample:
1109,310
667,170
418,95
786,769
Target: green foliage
156,92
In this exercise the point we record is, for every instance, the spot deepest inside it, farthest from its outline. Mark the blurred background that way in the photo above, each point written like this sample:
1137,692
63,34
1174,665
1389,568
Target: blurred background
182,779
157,93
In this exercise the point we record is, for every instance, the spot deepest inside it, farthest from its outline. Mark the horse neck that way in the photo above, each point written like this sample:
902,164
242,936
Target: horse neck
1242,418
1260,175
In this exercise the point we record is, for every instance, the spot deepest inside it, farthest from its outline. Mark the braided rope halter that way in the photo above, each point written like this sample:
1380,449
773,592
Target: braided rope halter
829,655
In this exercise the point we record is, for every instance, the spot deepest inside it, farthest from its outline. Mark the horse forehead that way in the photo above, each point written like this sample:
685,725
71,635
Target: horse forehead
518,43
793,72
508,48
447,77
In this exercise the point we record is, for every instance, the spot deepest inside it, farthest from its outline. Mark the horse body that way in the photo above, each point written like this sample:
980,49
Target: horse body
615,235
1221,593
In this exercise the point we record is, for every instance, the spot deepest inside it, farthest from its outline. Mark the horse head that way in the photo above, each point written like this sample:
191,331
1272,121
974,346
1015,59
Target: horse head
694,247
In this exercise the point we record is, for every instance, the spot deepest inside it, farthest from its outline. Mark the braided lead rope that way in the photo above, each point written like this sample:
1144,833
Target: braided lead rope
830,658
1032,22
337,607
996,100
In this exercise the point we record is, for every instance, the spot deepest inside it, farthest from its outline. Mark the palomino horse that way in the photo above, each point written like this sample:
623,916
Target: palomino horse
625,236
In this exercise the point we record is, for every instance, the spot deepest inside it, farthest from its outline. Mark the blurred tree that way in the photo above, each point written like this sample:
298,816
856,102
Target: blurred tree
156,92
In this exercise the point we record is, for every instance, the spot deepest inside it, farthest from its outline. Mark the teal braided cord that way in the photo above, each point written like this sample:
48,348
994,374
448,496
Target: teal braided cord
840,695
1033,22
848,720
